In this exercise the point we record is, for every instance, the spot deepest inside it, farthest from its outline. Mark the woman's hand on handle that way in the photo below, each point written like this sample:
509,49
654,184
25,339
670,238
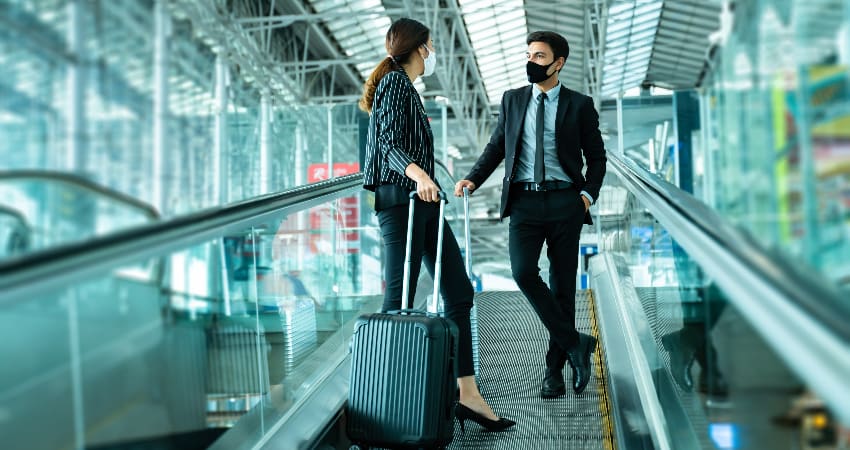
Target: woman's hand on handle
425,186
428,190
463,184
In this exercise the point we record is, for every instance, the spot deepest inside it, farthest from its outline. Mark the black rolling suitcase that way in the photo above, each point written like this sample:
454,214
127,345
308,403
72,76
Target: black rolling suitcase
402,385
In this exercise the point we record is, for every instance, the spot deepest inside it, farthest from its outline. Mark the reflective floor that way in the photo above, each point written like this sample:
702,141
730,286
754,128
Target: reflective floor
737,392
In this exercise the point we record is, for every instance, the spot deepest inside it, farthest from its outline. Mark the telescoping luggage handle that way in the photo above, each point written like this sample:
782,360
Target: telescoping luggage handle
438,264
473,313
467,253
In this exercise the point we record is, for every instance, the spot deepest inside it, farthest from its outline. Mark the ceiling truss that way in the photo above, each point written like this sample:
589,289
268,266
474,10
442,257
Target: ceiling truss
321,51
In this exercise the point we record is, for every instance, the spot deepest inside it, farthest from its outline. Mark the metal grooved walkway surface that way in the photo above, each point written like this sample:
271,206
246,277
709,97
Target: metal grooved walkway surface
513,344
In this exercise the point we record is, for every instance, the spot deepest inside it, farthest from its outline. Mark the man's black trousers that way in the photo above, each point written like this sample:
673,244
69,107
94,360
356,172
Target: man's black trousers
556,218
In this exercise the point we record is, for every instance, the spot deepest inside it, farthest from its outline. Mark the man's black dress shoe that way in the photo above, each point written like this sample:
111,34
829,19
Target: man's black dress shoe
681,359
553,383
580,361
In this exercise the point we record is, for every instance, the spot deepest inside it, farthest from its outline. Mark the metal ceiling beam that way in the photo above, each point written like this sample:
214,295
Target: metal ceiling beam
323,43
256,66
323,63
285,20
696,50
457,75
671,61
276,61
598,37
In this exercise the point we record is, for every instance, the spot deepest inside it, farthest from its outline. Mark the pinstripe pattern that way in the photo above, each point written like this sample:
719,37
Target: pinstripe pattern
399,134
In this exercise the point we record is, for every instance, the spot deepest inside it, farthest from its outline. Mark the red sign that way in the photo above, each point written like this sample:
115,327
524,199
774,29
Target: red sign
319,172
346,217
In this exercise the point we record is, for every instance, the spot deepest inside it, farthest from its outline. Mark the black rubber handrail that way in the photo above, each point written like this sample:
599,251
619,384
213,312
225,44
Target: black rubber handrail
819,298
17,215
57,266
81,182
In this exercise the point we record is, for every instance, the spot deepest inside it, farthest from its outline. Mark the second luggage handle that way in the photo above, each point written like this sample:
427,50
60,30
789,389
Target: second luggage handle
467,252
438,263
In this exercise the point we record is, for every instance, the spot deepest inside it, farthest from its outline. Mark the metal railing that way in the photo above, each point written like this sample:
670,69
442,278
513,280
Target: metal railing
25,276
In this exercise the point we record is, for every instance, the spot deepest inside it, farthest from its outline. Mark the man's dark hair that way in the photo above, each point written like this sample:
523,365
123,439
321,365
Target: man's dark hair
559,44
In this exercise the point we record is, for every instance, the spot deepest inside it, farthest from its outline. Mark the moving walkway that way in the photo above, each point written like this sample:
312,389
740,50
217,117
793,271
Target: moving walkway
229,328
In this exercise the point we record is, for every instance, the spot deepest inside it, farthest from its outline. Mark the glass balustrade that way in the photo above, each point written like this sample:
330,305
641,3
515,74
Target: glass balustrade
736,390
187,343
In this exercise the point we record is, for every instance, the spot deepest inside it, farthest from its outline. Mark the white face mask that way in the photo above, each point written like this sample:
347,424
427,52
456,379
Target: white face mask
430,62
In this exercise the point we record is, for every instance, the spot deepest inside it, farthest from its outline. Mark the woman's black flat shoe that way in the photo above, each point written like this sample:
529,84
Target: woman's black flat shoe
462,413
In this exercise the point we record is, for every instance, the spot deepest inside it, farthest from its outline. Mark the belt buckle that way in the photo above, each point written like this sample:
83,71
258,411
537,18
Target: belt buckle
539,187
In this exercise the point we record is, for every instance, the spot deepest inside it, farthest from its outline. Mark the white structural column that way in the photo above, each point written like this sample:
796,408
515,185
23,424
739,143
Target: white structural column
335,209
330,142
300,148
620,139
844,39
71,299
651,150
162,32
75,156
300,177
265,124
75,161
707,151
661,133
444,125
219,156
601,9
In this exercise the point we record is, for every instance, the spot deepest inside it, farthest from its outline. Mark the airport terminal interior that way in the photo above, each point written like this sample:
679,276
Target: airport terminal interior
186,244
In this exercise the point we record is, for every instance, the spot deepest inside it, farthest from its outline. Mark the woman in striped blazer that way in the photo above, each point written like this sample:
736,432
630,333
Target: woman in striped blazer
400,159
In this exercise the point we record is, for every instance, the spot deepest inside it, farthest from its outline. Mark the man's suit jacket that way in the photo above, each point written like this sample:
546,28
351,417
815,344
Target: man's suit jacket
576,133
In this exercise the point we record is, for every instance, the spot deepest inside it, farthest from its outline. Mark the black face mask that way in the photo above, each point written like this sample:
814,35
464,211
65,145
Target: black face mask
537,73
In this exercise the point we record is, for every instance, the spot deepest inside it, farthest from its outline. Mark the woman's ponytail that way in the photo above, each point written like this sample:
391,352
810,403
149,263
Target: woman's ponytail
384,67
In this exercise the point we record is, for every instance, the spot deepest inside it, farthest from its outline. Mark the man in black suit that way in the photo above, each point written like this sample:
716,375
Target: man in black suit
542,133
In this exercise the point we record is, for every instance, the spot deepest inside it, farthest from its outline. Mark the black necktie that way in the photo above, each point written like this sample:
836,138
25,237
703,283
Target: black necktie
539,170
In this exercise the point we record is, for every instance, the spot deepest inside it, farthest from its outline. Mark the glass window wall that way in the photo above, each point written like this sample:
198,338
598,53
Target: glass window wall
137,99
779,120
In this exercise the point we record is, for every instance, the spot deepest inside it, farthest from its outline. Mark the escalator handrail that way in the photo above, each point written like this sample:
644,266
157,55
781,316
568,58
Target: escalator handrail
81,182
800,318
818,299
17,215
21,277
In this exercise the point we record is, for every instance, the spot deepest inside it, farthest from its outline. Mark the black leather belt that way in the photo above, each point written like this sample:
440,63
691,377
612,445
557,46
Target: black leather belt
553,185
